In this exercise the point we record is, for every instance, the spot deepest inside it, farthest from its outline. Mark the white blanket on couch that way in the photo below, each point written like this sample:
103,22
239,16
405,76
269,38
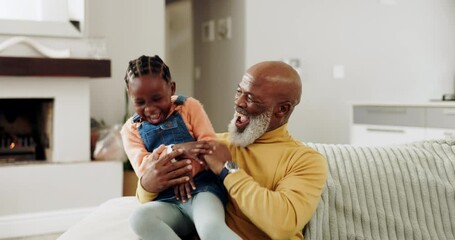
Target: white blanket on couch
390,192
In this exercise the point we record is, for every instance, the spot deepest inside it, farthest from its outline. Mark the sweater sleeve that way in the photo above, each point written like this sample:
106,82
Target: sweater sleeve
134,147
196,120
142,195
283,211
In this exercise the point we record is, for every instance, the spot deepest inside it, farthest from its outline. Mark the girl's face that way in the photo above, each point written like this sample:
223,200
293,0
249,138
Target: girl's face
151,97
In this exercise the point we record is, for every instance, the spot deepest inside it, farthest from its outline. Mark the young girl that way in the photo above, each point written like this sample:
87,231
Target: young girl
163,118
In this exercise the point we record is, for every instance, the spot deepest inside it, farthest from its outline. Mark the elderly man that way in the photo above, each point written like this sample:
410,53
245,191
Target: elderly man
274,182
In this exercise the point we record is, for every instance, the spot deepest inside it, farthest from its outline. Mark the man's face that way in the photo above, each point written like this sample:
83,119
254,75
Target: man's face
253,112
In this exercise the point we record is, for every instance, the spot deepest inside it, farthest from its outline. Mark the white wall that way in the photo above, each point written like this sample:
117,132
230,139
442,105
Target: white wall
130,30
402,52
47,198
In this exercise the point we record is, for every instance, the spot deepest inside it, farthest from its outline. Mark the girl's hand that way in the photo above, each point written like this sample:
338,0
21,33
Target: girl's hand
193,150
217,157
183,191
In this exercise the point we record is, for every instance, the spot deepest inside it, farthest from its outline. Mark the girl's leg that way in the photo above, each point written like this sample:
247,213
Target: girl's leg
160,220
207,213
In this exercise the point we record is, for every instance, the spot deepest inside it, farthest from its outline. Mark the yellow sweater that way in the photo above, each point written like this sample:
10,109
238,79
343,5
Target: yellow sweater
276,190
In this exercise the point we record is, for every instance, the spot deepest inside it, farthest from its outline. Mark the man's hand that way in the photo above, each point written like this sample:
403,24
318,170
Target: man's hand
161,173
217,155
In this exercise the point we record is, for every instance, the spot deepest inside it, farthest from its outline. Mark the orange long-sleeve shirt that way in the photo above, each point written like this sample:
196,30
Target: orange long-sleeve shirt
195,118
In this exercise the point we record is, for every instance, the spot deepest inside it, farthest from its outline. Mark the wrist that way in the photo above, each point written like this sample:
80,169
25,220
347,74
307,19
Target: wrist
229,167
142,180
219,169
143,194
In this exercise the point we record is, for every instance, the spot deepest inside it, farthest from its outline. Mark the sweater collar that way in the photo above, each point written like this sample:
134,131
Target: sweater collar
277,135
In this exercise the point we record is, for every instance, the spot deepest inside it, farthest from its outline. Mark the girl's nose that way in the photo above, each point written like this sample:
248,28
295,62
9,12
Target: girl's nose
148,109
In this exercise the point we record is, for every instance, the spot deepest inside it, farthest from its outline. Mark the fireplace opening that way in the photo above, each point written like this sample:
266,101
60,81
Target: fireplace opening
25,129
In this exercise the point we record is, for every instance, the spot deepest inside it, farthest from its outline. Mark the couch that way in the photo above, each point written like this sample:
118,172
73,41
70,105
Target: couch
383,192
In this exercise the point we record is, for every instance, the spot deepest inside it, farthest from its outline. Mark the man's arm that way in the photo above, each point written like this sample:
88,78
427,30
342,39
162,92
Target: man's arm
281,212
284,210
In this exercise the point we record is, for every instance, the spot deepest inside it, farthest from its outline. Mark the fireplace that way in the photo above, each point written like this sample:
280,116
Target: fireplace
50,100
25,129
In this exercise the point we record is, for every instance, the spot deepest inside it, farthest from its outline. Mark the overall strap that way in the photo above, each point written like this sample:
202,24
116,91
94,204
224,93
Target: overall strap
136,117
180,100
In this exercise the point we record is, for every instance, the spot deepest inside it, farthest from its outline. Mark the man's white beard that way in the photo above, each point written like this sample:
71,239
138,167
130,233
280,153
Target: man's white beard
257,127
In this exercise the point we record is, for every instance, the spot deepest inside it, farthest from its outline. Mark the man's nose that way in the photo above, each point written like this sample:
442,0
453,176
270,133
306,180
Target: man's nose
239,100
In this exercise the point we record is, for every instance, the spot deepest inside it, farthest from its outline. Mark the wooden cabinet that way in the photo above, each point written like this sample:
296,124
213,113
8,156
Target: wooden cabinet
384,124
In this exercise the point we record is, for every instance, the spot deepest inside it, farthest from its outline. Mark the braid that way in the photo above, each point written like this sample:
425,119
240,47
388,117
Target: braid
147,65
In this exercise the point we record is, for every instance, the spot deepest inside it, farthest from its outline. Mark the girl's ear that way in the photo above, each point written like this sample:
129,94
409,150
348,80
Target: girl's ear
173,87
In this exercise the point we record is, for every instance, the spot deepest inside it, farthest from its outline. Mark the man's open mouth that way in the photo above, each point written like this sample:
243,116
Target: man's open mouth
241,121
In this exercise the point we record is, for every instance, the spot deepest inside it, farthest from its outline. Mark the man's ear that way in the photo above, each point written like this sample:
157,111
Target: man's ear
283,109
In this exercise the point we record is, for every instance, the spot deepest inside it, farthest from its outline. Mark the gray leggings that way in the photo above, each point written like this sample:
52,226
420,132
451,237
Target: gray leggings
168,221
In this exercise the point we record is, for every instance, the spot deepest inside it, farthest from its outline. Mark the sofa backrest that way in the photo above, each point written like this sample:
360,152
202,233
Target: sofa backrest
387,192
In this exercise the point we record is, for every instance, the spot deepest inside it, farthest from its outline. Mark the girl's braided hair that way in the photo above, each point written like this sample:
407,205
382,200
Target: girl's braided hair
147,65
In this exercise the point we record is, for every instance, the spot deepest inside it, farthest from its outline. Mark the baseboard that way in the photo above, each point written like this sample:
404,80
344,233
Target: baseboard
22,225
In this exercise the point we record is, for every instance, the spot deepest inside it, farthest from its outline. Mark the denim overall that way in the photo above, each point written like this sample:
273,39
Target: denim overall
173,131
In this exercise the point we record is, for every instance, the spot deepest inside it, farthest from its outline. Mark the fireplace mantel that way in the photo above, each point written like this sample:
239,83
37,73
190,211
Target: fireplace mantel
54,67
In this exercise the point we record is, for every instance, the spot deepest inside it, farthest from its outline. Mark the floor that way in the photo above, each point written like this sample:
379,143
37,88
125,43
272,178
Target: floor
40,237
